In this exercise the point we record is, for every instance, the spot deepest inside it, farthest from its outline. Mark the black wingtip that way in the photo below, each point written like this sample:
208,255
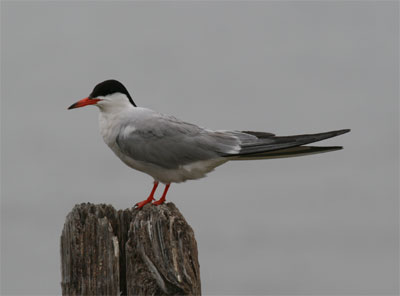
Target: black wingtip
343,131
326,148
289,152
330,134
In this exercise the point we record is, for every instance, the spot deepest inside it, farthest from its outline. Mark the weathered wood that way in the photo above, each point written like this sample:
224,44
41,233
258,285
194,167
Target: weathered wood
151,251
162,254
90,252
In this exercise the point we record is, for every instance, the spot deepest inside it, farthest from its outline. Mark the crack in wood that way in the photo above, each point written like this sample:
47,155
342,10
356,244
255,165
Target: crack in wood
151,251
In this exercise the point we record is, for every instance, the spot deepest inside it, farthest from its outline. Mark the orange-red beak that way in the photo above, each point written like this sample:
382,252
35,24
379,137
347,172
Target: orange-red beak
84,102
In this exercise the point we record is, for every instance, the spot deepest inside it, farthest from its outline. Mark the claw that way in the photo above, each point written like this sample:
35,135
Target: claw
141,204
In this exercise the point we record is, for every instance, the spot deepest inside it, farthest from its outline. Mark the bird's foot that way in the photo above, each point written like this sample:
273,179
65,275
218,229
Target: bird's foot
162,199
159,202
141,204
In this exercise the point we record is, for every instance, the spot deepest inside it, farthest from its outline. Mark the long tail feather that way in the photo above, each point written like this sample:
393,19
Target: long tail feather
264,142
288,152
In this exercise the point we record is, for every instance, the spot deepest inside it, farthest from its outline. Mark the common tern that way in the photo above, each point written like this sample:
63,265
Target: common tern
173,151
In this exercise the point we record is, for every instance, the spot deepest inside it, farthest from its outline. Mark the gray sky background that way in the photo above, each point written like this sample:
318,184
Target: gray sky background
324,224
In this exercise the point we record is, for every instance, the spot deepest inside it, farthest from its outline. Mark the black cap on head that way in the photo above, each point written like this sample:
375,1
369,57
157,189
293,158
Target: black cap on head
109,87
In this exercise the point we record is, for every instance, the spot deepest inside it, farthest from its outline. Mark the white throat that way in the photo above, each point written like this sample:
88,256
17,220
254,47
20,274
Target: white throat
113,110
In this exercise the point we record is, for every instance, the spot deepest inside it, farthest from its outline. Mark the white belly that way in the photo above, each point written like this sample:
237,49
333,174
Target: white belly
190,171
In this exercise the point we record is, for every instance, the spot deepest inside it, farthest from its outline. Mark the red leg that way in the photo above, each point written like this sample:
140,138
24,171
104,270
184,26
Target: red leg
162,199
140,205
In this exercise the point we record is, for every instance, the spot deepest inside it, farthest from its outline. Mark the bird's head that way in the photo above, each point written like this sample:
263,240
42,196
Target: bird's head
107,94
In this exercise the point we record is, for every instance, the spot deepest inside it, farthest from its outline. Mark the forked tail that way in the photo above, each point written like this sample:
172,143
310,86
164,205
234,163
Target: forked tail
265,145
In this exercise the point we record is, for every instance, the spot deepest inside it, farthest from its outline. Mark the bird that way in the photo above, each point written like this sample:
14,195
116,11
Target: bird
172,151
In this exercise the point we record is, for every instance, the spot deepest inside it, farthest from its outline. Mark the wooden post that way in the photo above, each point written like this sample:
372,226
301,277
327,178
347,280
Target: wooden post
151,251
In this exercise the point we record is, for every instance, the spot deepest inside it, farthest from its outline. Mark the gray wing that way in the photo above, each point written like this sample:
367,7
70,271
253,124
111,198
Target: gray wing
169,143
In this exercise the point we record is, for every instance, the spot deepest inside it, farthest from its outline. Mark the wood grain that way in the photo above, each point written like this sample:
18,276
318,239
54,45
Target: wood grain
151,251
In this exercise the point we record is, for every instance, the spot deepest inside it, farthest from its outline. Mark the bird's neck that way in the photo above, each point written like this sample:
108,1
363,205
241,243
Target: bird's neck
110,118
